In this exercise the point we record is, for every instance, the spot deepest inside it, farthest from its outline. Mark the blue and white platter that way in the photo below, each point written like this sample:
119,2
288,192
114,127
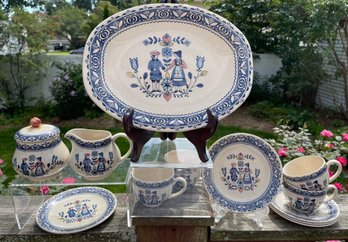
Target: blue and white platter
76,210
246,173
325,215
169,63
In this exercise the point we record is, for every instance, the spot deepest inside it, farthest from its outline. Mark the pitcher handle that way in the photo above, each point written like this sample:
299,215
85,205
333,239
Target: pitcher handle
123,135
339,169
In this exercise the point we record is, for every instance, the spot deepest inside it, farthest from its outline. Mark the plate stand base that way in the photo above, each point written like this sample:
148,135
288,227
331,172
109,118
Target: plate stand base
257,217
197,137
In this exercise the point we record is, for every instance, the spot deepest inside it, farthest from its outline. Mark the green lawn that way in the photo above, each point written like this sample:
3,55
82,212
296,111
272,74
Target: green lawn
58,53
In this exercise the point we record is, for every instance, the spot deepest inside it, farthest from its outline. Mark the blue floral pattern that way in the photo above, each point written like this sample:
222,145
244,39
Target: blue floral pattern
126,20
223,198
47,224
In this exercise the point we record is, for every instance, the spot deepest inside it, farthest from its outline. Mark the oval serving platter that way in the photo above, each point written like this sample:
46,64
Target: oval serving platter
76,210
169,63
246,173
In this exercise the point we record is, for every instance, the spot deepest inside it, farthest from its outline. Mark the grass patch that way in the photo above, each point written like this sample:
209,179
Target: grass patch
58,53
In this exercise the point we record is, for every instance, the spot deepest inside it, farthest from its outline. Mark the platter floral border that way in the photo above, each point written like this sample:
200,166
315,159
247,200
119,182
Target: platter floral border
274,163
99,39
42,214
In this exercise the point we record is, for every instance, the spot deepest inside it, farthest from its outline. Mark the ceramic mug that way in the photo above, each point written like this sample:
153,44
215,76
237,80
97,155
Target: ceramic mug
189,158
305,201
310,172
153,186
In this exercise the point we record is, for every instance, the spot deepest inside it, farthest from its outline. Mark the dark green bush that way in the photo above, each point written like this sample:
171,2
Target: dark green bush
69,95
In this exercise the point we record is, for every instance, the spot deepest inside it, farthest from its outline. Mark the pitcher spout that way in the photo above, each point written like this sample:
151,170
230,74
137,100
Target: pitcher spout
88,135
72,135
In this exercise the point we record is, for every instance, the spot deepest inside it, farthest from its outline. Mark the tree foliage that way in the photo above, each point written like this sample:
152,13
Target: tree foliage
71,22
24,36
52,6
295,31
103,10
252,18
11,4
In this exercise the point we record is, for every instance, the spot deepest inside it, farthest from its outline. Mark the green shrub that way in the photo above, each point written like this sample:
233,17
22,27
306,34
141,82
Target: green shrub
69,95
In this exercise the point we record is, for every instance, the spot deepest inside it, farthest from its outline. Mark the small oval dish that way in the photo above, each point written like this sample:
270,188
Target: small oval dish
76,210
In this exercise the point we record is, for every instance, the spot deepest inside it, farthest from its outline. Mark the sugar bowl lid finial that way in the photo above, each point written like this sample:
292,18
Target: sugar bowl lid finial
35,122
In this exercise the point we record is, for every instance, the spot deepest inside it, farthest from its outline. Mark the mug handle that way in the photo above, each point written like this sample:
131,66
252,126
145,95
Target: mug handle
338,172
183,181
332,195
123,135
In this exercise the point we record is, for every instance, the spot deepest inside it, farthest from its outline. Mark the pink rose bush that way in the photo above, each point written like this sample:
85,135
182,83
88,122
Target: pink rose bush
326,133
44,190
282,152
291,144
68,180
345,137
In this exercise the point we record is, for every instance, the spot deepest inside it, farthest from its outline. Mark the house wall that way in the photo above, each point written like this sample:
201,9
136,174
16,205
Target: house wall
331,91
265,64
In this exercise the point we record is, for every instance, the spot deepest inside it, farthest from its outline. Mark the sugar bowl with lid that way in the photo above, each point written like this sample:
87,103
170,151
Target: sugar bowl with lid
40,152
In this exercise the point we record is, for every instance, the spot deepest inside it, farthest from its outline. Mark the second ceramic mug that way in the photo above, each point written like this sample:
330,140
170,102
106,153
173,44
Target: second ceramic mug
307,201
182,157
153,186
310,172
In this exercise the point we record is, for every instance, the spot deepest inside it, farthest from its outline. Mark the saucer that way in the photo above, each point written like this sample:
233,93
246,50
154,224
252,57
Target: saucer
325,215
76,210
246,175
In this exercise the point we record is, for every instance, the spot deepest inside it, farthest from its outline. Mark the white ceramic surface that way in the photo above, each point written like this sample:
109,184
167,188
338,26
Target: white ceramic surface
305,201
169,63
94,154
76,210
153,186
40,154
246,175
182,156
310,172
325,215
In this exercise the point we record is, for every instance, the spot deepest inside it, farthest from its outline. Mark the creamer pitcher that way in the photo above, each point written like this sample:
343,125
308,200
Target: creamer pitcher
94,154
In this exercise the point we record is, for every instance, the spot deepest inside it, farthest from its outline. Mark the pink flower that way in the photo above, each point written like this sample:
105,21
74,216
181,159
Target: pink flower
326,133
339,186
44,190
1,172
345,137
330,145
68,180
301,149
73,93
282,152
330,173
1,161
342,160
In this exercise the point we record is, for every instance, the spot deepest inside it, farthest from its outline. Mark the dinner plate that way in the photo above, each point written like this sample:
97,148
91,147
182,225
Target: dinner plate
325,215
169,63
76,210
246,173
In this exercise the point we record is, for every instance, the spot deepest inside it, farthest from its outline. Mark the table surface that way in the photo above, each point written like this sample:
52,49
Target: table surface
232,227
